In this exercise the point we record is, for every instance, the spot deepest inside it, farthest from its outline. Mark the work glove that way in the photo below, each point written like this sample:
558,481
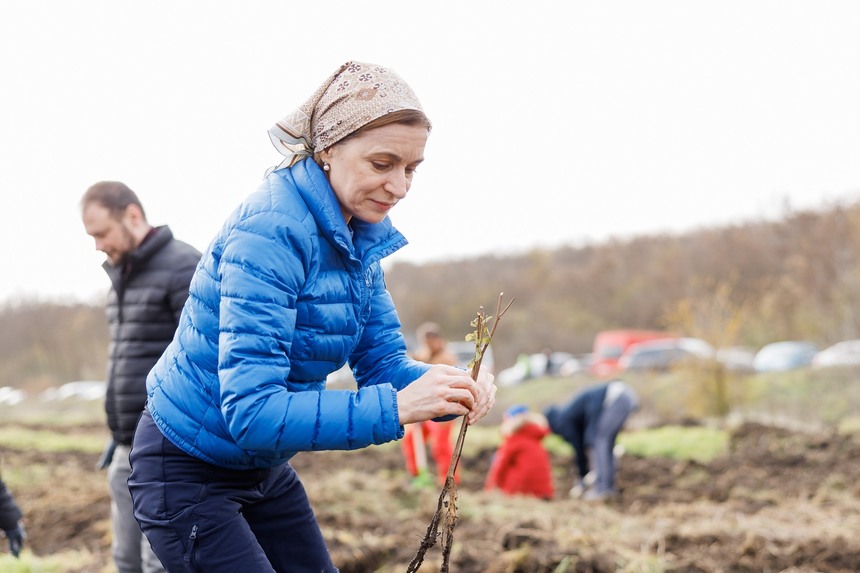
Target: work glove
16,539
107,455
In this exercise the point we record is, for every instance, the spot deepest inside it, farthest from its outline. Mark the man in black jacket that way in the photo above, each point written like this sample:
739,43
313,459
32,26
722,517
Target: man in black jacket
150,273
10,520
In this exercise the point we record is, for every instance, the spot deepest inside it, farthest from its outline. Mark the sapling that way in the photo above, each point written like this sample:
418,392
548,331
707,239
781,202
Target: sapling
446,508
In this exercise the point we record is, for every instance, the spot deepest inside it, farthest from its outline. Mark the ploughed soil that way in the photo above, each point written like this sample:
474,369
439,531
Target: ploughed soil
780,501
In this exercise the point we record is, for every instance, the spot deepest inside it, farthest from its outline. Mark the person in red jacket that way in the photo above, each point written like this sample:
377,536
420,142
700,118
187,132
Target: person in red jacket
521,465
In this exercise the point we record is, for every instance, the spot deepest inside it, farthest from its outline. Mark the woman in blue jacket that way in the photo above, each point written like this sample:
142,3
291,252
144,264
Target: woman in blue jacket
289,290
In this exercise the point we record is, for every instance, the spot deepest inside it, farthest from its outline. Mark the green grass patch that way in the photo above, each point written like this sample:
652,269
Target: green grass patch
21,438
701,444
677,442
698,443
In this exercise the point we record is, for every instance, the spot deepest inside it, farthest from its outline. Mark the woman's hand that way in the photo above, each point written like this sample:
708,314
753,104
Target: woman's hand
445,390
486,396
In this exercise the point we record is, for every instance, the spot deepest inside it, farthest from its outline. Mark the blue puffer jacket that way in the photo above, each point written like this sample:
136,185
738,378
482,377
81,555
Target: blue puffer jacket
284,296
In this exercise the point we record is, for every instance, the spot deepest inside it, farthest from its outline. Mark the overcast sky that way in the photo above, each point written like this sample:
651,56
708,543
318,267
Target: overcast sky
554,122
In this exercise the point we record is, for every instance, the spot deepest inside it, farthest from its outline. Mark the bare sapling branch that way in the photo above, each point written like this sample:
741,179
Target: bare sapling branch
446,508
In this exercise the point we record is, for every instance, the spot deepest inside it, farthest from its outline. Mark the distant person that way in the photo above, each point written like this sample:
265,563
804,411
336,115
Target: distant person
433,349
290,289
521,465
590,422
11,521
150,272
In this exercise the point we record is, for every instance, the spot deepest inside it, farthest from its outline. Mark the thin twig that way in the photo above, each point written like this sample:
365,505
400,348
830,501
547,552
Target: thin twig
447,505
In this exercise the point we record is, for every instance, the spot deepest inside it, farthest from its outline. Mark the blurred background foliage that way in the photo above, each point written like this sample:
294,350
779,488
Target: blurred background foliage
750,284
746,284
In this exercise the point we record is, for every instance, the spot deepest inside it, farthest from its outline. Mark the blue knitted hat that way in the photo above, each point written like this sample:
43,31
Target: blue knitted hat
515,410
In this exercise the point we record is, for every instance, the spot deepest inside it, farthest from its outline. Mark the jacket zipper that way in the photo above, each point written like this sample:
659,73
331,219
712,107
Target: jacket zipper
192,541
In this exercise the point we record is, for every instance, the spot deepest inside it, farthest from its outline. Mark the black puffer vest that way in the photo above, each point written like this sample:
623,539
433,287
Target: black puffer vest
143,307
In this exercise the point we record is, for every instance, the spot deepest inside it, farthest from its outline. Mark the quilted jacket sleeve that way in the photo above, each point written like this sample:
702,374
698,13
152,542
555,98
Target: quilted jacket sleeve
380,357
262,274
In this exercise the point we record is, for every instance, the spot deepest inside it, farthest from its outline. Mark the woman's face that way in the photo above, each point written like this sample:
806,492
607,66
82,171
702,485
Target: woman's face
372,171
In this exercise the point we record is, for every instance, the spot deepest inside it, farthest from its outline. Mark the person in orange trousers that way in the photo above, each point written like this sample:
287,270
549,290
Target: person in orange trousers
436,435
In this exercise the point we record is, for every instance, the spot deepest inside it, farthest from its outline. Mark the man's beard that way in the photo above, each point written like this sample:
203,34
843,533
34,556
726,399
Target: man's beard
122,256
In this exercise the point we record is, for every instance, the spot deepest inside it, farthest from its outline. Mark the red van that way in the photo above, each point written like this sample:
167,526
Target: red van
609,345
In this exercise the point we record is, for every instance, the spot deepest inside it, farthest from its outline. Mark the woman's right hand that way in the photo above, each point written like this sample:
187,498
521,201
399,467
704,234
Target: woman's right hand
444,390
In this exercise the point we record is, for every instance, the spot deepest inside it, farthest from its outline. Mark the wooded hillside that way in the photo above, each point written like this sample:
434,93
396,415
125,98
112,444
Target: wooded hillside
45,344
746,284
798,278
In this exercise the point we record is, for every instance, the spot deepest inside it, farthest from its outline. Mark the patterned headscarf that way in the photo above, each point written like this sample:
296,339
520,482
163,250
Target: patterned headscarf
355,95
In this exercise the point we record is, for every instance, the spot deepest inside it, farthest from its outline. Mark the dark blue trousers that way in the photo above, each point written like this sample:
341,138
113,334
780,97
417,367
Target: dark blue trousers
201,517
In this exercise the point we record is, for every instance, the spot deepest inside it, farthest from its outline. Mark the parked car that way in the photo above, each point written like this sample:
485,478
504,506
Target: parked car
610,345
845,353
659,355
11,396
576,364
784,355
663,354
697,347
78,390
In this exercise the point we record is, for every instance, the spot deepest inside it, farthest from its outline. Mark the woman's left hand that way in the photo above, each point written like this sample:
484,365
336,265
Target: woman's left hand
446,390
486,396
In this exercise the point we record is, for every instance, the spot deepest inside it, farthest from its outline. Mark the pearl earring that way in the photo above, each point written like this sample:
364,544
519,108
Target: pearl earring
326,166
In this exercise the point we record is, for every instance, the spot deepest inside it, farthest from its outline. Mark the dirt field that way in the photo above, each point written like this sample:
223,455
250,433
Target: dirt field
780,502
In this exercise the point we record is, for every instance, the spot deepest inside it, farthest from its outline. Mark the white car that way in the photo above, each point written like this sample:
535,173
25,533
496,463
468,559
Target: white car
77,390
845,353
11,396
784,355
